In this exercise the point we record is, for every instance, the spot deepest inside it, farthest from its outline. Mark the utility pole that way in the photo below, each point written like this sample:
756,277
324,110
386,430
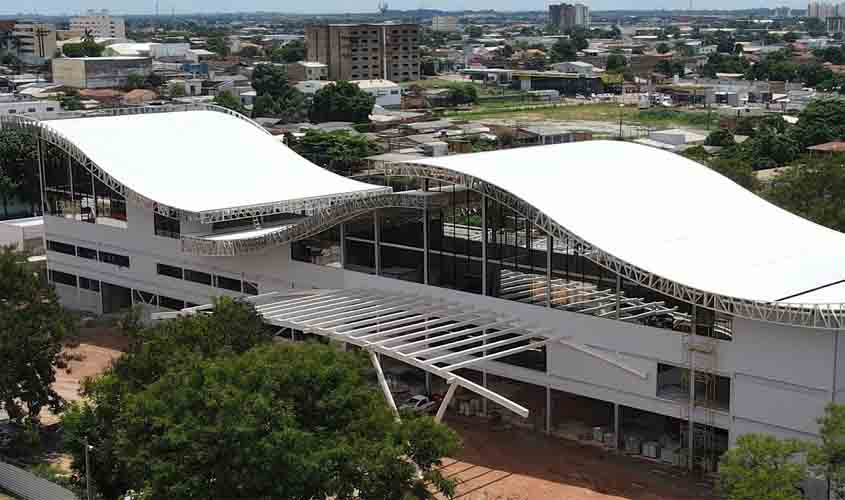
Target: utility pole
87,471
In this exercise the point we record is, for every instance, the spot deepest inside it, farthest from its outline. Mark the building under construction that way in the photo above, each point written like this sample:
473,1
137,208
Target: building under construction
602,291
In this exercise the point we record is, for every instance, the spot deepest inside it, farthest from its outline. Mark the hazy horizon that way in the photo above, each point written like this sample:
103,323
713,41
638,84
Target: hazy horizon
317,7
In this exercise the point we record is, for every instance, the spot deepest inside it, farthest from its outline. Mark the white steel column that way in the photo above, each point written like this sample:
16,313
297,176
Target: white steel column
548,410
383,383
426,216
484,384
691,408
377,241
618,295
342,245
549,249
484,244
446,400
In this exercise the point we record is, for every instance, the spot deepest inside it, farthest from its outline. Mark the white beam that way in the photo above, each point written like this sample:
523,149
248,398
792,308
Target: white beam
500,354
446,400
411,316
375,310
472,319
451,335
472,350
601,357
650,313
402,329
321,309
644,305
383,383
458,343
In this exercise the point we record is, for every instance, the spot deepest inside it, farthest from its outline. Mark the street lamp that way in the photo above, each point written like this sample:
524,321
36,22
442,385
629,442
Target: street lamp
88,447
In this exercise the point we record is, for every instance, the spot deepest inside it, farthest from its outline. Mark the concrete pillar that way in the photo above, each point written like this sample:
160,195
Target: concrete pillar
484,246
548,410
377,239
616,415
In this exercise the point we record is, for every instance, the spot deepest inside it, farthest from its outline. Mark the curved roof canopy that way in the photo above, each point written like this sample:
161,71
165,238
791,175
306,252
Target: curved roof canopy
201,161
669,216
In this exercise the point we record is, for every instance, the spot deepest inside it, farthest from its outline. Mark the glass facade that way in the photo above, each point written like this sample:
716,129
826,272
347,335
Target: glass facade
472,243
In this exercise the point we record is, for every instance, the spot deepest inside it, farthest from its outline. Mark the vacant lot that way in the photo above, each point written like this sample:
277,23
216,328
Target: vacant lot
520,465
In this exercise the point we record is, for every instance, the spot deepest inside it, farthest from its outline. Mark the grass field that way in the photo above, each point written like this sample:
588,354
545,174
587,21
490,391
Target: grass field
603,112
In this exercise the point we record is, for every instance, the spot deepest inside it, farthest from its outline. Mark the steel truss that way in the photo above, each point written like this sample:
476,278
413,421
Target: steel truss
322,219
43,132
821,316
430,334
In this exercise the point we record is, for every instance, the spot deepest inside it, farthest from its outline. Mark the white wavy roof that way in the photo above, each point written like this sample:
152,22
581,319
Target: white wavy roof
670,216
200,161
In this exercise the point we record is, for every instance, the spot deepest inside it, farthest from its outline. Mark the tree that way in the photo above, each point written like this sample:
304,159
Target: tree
200,403
33,328
341,101
135,81
813,189
218,45
563,50
225,99
761,467
17,168
663,48
822,120
290,52
177,90
669,67
463,93
270,79
720,137
339,151
616,63
829,457
249,51
474,31
275,96
790,37
86,48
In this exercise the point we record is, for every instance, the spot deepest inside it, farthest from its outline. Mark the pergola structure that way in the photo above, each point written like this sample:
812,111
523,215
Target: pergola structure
426,333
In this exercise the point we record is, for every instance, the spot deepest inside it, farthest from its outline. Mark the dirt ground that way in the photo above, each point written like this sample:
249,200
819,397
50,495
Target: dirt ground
95,352
520,465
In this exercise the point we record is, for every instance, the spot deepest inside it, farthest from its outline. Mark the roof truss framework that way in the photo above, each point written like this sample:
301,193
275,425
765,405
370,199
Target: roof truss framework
429,334
822,316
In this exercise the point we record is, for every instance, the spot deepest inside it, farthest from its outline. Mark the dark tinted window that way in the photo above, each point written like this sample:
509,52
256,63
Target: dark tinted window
198,277
89,284
172,271
250,288
64,278
113,258
58,246
228,283
86,253
170,303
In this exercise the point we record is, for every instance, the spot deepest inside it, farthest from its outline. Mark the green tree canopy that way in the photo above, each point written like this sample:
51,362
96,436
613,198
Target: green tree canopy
829,457
33,328
669,67
275,96
463,93
18,173
720,137
813,189
209,407
339,151
474,31
616,63
823,120
290,52
342,101
86,48
761,467
663,48
563,50
225,99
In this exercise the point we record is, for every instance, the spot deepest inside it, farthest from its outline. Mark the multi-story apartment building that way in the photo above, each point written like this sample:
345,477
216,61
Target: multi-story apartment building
99,24
520,276
568,16
824,10
34,43
447,24
366,51
99,72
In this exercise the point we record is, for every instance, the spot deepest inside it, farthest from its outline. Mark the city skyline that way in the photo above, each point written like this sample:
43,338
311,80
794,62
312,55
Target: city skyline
316,7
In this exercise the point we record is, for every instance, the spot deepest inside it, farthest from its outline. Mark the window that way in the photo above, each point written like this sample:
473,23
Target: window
170,303
198,277
30,110
228,283
12,111
113,258
250,288
58,246
166,226
86,253
49,108
89,284
172,271
63,278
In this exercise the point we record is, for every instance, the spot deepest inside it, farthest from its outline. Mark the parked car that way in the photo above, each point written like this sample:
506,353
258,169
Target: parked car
419,404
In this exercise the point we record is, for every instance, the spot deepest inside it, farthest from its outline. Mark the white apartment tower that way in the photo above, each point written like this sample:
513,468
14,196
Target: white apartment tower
100,24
